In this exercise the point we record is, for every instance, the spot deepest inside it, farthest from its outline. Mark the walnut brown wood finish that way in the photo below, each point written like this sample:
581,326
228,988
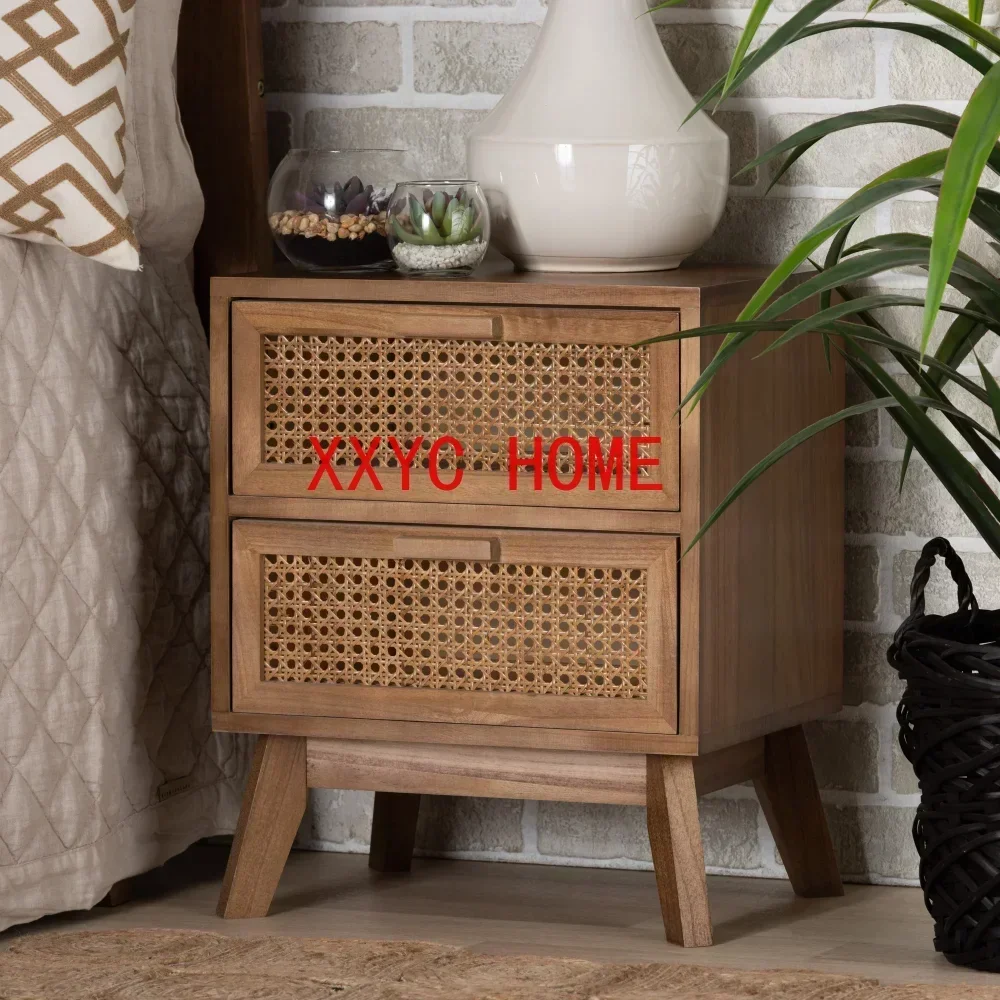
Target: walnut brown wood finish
771,571
477,375
340,621
273,807
678,858
502,773
790,800
220,90
741,637
394,831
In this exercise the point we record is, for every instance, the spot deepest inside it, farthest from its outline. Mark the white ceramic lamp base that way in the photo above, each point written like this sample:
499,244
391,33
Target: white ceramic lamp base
602,265
586,163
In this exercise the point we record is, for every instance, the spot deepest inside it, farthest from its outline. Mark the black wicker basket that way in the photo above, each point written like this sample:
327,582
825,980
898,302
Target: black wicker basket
949,720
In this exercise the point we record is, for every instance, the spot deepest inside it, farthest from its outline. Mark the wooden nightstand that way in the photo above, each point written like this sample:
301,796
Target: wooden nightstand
543,642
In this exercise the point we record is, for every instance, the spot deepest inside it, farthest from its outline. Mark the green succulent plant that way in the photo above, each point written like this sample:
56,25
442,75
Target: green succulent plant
440,219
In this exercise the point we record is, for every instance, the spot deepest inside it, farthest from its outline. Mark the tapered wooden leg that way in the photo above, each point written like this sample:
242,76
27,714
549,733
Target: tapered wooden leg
790,800
394,830
675,839
273,805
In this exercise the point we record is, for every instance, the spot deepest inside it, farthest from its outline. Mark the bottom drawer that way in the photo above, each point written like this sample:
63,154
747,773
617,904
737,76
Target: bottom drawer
513,628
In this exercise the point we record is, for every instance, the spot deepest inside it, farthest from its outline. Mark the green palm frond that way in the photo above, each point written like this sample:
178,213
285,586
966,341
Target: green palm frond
913,383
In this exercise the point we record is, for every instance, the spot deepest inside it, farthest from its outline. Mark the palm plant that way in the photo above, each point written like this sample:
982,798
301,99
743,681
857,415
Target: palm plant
848,322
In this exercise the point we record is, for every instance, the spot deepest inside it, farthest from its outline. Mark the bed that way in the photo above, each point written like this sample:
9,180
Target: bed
108,765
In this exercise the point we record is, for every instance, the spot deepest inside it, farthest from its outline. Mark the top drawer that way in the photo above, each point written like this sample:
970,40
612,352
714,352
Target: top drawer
391,381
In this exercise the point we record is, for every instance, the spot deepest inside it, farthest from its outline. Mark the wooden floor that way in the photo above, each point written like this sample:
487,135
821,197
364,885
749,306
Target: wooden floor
597,914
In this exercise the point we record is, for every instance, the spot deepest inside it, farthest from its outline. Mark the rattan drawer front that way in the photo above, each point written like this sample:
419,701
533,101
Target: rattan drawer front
517,628
306,374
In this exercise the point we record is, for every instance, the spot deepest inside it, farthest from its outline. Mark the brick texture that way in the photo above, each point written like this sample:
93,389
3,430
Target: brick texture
419,74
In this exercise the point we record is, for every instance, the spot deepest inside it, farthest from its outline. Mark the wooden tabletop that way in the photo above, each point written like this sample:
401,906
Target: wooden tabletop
498,281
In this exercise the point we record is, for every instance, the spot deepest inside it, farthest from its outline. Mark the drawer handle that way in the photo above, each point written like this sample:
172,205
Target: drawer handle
466,549
452,324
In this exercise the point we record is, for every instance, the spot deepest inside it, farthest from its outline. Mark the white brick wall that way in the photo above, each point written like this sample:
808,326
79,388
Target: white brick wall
392,72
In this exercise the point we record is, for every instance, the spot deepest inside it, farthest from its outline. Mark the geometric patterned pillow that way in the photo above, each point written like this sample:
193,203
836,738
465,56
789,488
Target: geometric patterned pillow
62,126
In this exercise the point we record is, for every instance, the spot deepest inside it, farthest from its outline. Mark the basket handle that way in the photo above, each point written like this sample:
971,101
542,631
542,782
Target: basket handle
922,571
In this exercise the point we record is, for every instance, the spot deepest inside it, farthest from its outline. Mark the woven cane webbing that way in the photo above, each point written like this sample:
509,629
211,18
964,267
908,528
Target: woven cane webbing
454,625
479,393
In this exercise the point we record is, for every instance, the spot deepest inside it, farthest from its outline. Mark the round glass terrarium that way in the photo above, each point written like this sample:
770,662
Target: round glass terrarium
328,209
438,227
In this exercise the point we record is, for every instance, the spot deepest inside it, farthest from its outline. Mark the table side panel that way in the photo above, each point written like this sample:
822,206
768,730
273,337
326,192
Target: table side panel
771,588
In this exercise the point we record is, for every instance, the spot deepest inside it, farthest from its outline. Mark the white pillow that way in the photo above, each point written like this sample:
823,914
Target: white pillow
62,126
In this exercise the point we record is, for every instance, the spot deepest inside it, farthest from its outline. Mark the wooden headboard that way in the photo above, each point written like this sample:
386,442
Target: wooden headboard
220,90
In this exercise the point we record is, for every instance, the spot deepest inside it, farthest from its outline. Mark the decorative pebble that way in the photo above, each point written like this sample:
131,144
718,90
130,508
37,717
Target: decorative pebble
310,224
431,258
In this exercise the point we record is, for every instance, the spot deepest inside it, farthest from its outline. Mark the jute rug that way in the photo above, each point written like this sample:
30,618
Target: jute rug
185,965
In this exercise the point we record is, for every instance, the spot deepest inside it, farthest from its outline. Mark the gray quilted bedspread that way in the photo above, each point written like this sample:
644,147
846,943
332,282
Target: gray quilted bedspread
107,762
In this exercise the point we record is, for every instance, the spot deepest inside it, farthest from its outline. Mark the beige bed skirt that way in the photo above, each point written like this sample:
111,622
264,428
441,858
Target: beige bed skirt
107,761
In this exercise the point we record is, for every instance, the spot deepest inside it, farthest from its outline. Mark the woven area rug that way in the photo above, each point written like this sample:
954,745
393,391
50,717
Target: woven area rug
186,965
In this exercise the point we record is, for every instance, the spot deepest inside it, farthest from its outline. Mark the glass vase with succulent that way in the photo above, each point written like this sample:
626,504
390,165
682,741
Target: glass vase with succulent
327,209
925,388
438,227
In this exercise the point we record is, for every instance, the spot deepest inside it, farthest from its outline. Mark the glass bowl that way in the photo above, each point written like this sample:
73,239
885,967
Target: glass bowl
327,209
438,227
